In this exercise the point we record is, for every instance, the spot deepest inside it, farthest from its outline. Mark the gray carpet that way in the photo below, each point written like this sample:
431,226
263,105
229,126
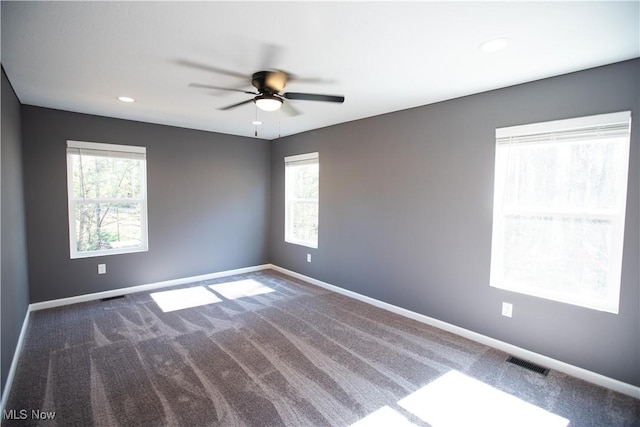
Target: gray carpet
297,356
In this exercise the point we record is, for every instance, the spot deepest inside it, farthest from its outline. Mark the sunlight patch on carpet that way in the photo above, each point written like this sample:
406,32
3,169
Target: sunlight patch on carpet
179,299
384,416
455,399
241,288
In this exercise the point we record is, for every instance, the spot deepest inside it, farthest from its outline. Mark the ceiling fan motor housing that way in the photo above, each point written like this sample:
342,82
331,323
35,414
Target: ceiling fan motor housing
270,82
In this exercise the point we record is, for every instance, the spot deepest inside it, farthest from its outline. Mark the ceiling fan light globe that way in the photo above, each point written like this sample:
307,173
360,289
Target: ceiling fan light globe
268,103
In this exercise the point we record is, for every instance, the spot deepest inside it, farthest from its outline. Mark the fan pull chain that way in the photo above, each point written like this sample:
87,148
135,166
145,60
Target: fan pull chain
256,122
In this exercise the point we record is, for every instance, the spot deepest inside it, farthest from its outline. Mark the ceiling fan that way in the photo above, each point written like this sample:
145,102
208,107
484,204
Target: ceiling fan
269,85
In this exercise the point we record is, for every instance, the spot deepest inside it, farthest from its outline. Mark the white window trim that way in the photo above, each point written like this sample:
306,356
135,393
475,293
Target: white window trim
524,134
300,158
562,125
113,150
99,146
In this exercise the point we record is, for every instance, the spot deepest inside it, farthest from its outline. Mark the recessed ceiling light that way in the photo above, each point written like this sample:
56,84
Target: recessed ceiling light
126,99
494,45
256,122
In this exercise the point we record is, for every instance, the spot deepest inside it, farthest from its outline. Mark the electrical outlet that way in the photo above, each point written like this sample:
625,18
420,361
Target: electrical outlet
308,257
507,309
102,268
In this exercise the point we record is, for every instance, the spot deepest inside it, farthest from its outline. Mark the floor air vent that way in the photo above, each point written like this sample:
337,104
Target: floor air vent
110,298
528,365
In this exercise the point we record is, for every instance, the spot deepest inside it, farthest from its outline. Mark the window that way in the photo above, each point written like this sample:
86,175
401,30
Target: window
107,192
559,209
301,199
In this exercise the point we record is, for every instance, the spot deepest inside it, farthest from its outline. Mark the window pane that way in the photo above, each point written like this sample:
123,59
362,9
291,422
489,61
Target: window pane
564,175
561,255
106,177
101,226
305,185
304,221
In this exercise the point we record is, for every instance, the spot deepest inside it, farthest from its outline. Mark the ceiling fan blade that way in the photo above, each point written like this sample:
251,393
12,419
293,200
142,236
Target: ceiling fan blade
313,97
229,107
290,110
198,85
295,78
213,69
269,55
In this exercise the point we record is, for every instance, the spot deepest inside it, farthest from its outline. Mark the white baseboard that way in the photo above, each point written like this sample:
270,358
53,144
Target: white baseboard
551,363
141,288
540,359
106,294
14,363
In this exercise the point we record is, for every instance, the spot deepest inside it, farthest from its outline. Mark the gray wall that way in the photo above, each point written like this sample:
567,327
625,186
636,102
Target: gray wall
207,203
14,287
406,215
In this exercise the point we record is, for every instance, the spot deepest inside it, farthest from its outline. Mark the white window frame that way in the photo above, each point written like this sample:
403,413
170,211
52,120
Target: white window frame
289,199
107,150
604,124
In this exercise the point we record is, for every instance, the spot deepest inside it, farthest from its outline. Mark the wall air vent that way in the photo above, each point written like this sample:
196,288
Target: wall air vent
528,365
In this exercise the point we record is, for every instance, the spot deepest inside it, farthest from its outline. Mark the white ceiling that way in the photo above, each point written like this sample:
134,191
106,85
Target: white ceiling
382,56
